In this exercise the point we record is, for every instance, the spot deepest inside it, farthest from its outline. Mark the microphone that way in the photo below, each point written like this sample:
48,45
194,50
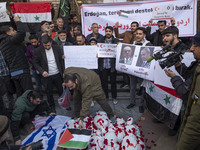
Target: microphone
150,59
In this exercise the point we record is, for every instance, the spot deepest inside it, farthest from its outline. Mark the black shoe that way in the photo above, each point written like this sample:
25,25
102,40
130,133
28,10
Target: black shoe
156,121
69,108
124,86
130,106
172,132
141,109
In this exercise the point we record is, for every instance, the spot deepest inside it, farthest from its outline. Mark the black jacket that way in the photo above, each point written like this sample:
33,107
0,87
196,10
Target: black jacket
112,60
59,43
155,38
99,37
40,59
183,88
14,50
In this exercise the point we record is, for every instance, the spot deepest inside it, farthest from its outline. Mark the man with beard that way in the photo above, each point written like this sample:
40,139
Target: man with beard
49,63
80,39
106,66
95,33
127,36
29,54
62,41
46,28
170,37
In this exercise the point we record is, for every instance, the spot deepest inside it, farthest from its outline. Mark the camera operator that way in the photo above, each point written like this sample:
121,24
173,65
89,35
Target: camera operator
26,106
4,125
170,37
189,92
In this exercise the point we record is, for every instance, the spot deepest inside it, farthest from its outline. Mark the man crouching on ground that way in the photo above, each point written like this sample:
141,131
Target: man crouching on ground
87,87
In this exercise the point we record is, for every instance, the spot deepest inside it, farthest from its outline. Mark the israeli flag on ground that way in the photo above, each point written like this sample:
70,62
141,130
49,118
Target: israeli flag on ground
49,133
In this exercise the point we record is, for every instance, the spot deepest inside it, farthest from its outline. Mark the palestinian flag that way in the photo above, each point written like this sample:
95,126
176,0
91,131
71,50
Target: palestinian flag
32,14
162,102
75,138
123,14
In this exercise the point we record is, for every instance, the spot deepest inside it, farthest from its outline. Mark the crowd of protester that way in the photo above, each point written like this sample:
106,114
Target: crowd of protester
43,58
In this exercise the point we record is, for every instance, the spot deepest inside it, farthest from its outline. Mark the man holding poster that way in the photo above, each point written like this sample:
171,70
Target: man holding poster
107,66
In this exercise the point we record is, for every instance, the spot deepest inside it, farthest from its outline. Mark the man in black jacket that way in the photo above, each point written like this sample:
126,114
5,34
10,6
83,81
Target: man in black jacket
156,37
95,33
170,37
48,61
13,52
106,66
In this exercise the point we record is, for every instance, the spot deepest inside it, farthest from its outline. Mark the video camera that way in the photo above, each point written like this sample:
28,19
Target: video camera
167,57
35,145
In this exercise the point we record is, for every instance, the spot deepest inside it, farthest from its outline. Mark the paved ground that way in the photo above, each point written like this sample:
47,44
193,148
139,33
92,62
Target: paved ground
155,135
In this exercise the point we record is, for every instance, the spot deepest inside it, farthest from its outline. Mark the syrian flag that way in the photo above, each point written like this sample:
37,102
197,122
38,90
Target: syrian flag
32,14
162,102
75,138
49,133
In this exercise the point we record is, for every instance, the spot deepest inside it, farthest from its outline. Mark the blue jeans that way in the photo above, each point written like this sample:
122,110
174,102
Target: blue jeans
133,86
37,78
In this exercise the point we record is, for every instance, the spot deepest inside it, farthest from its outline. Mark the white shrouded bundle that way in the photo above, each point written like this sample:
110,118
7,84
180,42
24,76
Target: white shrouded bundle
107,136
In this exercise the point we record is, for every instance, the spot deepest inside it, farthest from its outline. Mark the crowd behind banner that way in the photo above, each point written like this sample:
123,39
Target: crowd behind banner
55,47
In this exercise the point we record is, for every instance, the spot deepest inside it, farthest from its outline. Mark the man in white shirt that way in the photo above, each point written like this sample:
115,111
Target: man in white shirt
48,62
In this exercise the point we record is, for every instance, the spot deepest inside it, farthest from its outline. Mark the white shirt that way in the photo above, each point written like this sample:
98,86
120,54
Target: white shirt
52,66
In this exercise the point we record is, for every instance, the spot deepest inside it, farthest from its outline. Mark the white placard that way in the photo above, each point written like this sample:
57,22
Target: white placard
131,59
106,50
81,56
163,11
141,11
3,15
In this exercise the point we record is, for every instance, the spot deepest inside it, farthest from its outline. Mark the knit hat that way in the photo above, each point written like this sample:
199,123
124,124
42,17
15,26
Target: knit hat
4,124
93,39
196,39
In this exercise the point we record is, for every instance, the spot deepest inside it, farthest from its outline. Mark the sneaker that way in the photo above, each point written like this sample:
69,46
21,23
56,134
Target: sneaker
92,104
124,86
172,132
141,109
115,101
156,121
131,105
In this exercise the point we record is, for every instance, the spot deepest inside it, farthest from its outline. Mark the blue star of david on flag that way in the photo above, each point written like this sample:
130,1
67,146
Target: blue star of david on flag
49,132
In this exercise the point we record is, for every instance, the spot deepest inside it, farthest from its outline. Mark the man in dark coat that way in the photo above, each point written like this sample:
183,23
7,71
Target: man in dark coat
48,62
106,66
95,33
87,87
13,52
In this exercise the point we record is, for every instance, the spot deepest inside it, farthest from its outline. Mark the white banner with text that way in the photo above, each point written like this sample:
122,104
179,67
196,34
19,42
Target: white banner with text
81,56
184,13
